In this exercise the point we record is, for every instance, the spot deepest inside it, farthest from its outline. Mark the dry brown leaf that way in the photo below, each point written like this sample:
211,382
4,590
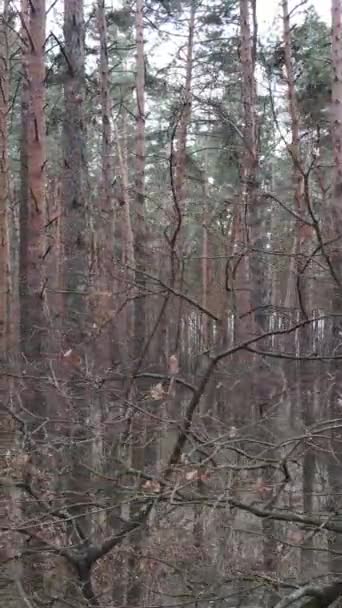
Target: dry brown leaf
152,485
72,357
157,392
191,475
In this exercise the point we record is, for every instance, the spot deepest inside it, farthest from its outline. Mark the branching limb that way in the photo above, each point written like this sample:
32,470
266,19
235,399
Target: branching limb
312,596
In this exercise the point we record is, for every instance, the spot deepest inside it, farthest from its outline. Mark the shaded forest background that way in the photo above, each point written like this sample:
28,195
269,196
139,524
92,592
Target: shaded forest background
170,305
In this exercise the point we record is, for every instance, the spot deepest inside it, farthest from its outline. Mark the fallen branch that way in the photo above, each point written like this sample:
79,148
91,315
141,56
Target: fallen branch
320,597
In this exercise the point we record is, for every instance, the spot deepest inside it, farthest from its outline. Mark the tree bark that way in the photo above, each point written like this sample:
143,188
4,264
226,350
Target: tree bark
33,179
104,214
33,244
8,496
4,184
185,114
139,223
127,236
295,152
137,455
255,281
334,466
76,239
74,174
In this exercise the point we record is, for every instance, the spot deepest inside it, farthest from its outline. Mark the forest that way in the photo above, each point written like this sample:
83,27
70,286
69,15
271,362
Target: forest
170,304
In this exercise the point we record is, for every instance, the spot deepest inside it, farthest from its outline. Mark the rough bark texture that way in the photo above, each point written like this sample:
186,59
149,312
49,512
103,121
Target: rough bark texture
4,176
33,245
74,174
33,179
76,237
335,408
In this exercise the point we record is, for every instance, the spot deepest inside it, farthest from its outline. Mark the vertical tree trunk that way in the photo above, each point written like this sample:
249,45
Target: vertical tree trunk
104,215
185,114
76,228
248,161
294,150
32,211
33,180
102,276
179,160
301,371
135,587
334,467
6,341
74,173
8,497
205,262
107,151
4,184
254,241
336,110
32,238
139,224
127,236
55,264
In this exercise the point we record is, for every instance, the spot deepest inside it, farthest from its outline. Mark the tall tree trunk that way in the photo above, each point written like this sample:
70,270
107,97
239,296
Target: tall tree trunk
32,239
139,224
107,151
127,236
8,497
185,113
248,161
254,241
205,261
291,298
33,180
137,457
76,230
295,152
74,173
104,215
4,177
179,160
334,466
